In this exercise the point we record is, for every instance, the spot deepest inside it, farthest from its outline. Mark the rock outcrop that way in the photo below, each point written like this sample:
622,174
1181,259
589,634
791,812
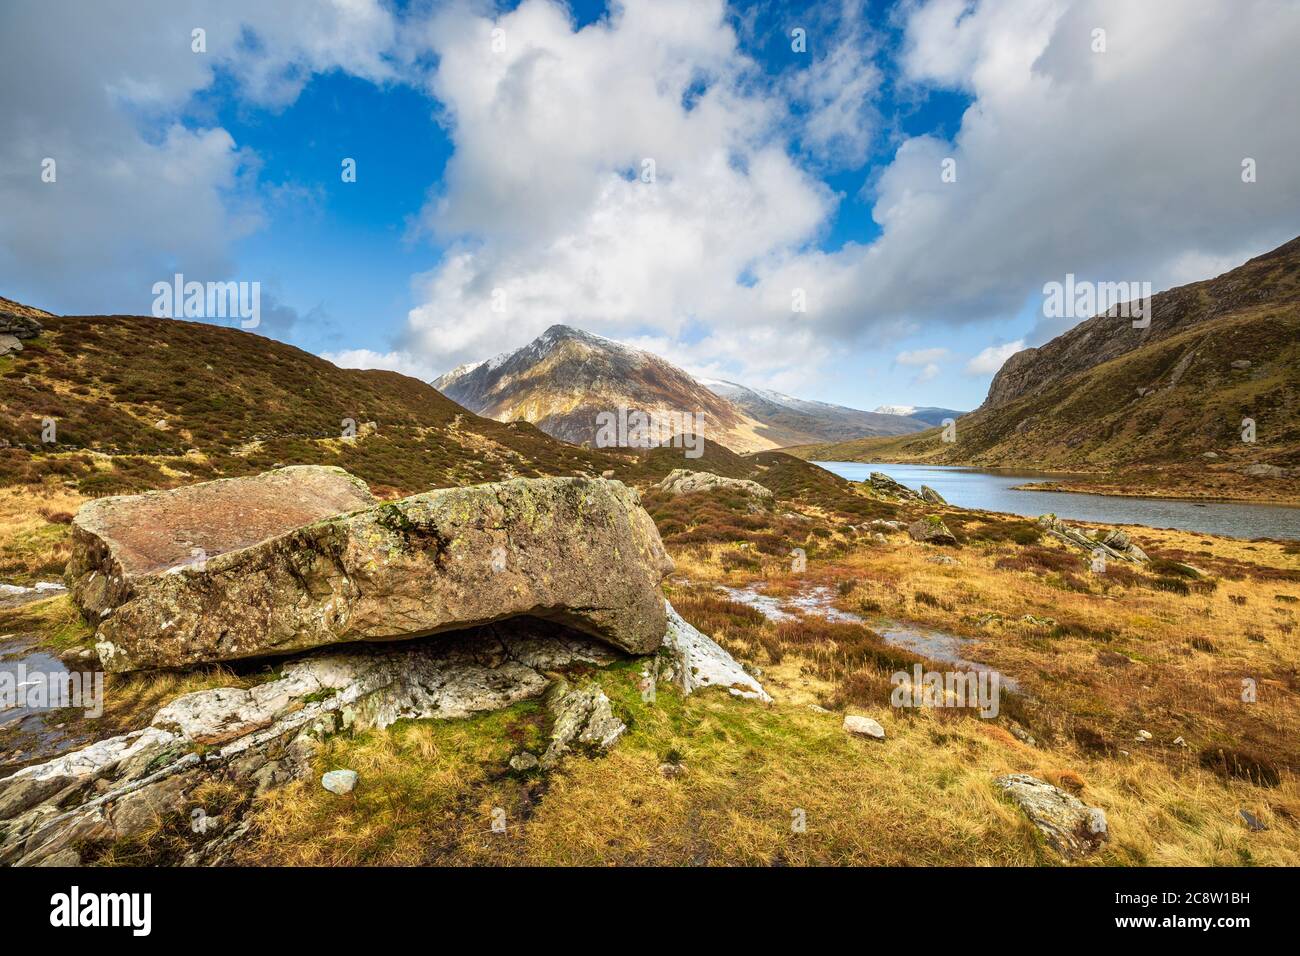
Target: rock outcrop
932,496
578,551
683,481
931,530
1068,826
1111,543
882,484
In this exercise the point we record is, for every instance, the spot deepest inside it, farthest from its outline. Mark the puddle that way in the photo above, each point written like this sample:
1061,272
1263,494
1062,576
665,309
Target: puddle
931,644
30,733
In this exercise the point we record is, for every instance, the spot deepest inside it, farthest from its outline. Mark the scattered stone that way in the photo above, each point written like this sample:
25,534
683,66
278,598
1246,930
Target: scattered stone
943,559
887,526
1264,471
931,530
339,781
863,727
578,551
582,718
882,484
1180,742
10,344
1209,454
932,496
1021,734
683,481
523,762
1143,736
1044,622
671,770
1069,827
1253,823
1241,363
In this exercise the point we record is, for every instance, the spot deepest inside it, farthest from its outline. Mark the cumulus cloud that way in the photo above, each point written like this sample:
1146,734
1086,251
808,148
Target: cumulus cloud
988,361
102,89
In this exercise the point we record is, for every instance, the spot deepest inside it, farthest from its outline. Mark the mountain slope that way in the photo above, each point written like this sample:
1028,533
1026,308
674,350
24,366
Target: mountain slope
792,421
565,377
1161,407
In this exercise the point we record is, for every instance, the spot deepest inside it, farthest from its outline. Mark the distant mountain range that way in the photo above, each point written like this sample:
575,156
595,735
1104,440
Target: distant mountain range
1107,396
926,413
565,378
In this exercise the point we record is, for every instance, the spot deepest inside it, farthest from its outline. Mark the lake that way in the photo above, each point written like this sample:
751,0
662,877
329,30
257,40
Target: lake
995,491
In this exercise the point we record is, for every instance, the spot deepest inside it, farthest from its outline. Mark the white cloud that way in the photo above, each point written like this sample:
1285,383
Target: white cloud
101,89
402,362
988,361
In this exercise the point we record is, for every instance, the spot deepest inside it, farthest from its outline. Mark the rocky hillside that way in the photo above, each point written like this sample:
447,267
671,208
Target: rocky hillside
1149,408
564,378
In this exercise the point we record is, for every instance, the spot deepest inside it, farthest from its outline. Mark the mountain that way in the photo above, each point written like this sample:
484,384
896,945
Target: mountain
929,414
1167,402
565,378
792,421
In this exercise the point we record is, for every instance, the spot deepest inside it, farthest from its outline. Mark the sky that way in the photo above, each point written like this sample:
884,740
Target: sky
851,202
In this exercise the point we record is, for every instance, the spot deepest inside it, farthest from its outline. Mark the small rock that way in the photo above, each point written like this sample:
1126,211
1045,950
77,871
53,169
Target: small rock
1180,742
523,761
1143,735
1241,363
339,781
1038,621
671,770
1209,454
863,727
1253,823
1068,826
943,559
1264,471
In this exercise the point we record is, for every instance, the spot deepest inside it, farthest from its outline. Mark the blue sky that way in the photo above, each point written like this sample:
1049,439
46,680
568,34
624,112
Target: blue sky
497,150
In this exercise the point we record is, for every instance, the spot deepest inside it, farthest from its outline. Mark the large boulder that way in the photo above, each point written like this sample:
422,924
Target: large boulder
18,325
119,541
578,551
683,481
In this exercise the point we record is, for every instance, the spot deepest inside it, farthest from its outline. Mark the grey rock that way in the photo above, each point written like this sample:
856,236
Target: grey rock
683,481
698,661
524,761
1241,364
932,496
582,718
882,484
1264,471
1068,826
864,727
339,781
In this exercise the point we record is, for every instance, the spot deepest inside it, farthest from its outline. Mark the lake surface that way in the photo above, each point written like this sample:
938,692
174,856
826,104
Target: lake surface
995,491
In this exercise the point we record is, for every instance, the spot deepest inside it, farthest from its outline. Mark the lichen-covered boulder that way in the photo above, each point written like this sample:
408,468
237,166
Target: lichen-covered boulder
117,541
578,551
682,481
